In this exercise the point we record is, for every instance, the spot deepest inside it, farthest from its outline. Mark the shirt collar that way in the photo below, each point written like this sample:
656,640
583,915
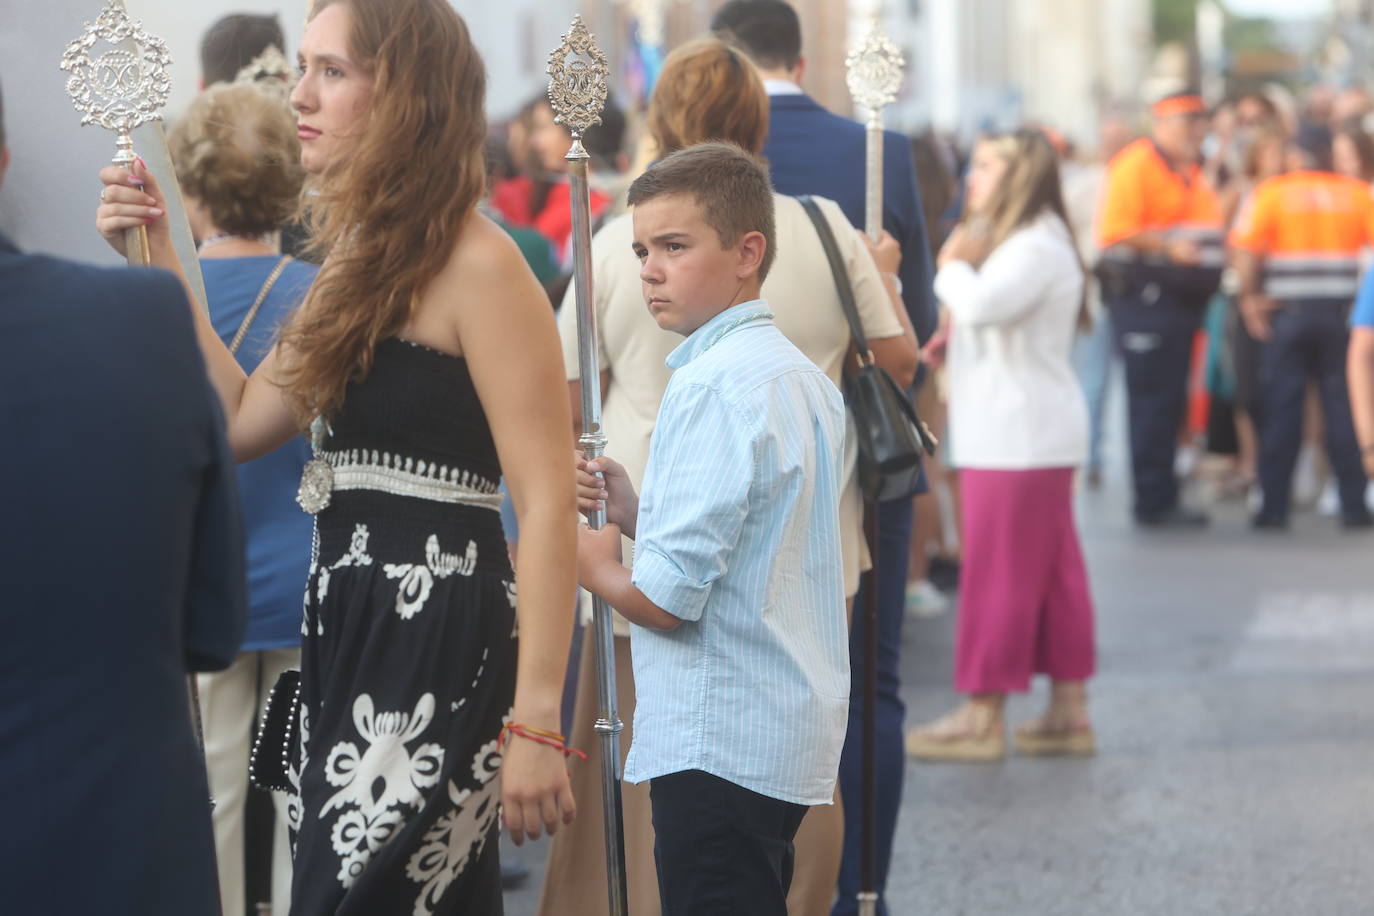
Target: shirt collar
782,87
746,314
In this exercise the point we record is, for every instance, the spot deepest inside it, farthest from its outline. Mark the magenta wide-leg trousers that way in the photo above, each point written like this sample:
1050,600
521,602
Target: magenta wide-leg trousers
1024,603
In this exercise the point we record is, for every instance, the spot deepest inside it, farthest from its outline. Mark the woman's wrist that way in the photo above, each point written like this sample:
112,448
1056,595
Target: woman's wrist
541,712
896,280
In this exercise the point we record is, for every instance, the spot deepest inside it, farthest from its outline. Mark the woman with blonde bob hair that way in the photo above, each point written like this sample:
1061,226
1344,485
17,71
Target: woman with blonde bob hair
709,91
415,694
1013,288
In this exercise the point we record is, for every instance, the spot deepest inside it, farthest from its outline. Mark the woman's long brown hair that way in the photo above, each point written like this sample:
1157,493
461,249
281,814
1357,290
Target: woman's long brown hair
389,211
1029,187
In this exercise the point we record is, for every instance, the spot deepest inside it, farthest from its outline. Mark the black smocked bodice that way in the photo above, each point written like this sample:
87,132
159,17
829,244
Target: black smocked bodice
414,430
418,403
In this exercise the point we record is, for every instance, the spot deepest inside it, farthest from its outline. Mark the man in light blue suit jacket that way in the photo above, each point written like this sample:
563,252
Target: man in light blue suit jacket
812,151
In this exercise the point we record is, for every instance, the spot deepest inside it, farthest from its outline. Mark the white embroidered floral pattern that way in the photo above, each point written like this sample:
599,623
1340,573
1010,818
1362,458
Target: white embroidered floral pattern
460,835
417,580
402,776
357,550
379,783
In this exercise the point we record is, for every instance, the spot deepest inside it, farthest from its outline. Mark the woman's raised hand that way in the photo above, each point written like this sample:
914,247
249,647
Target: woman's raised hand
128,200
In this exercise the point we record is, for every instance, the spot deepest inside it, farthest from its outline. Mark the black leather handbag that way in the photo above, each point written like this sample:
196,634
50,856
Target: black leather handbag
891,438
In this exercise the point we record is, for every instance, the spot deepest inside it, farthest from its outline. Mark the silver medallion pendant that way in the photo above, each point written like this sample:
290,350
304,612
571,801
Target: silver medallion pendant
317,486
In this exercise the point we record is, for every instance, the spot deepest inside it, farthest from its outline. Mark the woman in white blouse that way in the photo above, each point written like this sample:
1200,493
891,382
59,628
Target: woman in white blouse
709,91
1013,287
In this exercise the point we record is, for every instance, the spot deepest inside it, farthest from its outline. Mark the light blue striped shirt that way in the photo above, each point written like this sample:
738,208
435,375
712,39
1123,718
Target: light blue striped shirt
738,535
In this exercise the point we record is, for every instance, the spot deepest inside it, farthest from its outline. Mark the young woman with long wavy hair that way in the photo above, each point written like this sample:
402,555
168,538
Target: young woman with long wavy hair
426,359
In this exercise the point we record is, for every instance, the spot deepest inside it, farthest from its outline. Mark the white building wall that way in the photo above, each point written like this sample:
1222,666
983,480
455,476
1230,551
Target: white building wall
993,64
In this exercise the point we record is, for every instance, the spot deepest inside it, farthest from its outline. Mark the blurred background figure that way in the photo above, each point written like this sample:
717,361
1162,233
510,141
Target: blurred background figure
537,195
1084,180
1298,246
1352,153
935,540
1011,278
234,42
1160,226
238,162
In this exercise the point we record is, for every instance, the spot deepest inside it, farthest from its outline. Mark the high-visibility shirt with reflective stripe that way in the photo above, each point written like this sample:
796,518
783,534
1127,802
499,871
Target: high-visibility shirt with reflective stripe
1145,193
1310,228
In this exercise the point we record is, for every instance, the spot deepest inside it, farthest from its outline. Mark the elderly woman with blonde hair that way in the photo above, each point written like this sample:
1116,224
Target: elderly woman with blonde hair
238,161
709,91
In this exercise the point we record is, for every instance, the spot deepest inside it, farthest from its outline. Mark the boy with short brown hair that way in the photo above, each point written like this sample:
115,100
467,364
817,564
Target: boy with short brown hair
739,639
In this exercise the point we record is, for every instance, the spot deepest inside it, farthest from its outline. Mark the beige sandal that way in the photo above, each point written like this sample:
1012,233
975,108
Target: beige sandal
1048,736
972,733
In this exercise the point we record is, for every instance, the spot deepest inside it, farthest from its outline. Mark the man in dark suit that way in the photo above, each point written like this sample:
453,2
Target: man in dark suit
121,570
812,151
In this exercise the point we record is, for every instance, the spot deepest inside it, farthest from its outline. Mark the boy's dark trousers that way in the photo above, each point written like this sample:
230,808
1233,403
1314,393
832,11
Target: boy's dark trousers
720,848
1307,343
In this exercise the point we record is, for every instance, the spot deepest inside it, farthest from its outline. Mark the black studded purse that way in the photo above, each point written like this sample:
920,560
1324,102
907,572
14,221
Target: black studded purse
278,740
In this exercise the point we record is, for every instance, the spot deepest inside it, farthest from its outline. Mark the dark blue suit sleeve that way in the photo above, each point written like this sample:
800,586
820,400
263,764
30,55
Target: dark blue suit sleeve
216,604
907,224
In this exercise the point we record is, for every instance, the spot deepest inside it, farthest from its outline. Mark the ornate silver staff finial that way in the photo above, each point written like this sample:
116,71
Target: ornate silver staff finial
874,76
270,71
126,85
578,82
874,72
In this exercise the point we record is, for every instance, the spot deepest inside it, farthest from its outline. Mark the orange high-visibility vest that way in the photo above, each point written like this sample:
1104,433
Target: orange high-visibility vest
1145,193
1310,228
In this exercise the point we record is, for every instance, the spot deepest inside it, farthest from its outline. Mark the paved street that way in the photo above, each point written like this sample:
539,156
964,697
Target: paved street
1235,718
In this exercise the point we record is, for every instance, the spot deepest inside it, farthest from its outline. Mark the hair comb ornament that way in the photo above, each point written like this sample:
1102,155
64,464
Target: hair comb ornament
270,71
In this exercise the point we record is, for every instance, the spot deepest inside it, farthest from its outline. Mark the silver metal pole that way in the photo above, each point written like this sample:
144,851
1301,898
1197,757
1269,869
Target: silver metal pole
874,74
873,184
577,91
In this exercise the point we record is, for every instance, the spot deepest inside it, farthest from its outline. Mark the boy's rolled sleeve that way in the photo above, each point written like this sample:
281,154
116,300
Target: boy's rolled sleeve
695,499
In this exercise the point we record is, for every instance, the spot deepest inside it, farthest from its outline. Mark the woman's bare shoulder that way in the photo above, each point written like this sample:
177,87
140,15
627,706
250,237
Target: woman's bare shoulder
486,254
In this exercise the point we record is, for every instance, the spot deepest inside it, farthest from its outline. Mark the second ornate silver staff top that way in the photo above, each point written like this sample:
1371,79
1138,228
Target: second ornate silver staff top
874,74
578,75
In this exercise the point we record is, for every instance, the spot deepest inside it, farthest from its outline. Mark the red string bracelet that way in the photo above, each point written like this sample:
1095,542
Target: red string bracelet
540,736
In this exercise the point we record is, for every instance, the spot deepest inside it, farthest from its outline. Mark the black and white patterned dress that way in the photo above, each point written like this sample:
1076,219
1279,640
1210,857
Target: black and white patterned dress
408,662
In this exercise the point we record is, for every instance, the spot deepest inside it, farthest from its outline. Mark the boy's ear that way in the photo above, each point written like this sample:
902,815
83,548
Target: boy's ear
752,248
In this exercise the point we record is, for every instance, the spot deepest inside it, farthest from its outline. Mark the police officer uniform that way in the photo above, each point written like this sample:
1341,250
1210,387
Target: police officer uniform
1308,229
1157,303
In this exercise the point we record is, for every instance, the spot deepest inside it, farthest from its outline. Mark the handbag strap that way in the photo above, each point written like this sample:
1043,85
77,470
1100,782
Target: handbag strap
257,304
840,275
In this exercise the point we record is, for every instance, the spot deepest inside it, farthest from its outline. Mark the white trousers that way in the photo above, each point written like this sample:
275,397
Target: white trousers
230,703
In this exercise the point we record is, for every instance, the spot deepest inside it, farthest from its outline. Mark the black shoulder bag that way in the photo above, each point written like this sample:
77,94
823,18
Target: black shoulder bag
891,438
